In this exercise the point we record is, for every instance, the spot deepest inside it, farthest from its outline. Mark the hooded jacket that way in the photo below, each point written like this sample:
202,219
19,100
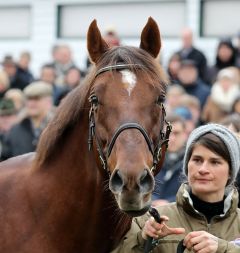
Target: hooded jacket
182,214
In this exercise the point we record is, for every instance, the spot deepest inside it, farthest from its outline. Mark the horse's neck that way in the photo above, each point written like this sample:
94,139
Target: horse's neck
84,189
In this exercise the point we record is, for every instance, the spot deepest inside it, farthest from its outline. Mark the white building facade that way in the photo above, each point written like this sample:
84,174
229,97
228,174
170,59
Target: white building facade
37,25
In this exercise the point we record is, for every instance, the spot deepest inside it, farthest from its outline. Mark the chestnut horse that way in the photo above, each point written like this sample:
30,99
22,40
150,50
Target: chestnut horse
66,198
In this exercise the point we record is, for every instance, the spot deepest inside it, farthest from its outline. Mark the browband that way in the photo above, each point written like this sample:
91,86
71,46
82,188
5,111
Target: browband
118,66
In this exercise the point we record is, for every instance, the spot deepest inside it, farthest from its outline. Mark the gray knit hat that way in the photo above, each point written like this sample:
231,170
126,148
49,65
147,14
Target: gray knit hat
229,139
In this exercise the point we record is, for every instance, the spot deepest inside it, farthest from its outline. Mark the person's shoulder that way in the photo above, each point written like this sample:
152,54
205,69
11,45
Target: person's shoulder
24,123
168,209
198,51
203,85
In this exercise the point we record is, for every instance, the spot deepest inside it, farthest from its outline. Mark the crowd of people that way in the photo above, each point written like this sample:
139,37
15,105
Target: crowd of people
197,94
28,102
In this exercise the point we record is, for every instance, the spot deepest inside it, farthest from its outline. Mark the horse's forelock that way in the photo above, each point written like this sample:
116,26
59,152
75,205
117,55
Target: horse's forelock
137,56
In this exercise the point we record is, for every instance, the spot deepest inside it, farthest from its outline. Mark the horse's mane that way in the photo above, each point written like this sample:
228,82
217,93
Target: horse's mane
72,108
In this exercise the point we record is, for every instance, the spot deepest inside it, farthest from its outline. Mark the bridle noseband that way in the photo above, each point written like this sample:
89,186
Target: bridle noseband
163,138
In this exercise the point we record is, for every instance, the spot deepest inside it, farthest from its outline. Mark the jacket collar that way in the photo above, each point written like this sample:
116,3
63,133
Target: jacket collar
184,200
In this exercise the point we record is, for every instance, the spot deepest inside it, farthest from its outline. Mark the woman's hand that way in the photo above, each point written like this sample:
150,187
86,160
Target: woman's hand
159,230
201,242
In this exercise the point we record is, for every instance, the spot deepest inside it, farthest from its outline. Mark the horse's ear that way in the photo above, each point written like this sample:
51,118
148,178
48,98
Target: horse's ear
150,38
95,43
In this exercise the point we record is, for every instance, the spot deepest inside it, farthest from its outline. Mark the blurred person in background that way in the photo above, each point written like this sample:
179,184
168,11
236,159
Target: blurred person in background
111,38
186,114
72,78
168,180
17,76
193,105
23,68
223,94
232,122
173,67
190,52
48,75
173,97
4,83
23,137
225,57
62,62
238,50
17,96
236,105
193,85
8,117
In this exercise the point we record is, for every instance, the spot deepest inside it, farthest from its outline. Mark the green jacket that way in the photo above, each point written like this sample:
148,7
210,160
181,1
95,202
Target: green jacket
182,214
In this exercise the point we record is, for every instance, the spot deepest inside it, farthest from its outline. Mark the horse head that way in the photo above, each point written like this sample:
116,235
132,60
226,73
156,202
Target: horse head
127,115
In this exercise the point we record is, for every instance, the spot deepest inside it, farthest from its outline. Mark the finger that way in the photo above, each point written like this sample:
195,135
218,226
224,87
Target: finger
164,218
194,234
199,247
176,231
192,242
209,245
155,224
192,238
149,228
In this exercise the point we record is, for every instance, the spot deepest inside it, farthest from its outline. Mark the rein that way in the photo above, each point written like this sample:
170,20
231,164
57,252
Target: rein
156,151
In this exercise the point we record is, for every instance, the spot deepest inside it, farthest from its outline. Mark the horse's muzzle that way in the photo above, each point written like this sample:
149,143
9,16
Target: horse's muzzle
132,193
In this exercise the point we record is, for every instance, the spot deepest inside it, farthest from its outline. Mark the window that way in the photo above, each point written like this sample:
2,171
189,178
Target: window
14,22
127,17
219,17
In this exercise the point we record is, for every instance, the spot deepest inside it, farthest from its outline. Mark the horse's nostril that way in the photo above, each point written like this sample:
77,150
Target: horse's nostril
146,181
116,181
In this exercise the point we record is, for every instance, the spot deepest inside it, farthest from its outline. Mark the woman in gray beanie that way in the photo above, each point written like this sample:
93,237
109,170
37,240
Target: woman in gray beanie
205,215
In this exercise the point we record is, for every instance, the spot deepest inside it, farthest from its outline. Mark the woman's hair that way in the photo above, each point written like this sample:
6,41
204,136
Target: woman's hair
214,144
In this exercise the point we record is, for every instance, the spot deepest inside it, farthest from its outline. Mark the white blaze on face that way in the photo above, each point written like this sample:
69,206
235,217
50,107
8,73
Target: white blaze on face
129,80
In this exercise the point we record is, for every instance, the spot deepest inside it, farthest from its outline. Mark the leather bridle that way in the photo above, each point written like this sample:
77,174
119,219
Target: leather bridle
163,138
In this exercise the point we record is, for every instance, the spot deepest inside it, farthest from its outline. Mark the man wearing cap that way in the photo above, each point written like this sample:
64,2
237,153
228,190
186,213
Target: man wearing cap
23,137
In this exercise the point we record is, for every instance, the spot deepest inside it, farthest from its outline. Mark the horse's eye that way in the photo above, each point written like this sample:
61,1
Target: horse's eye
159,100
94,100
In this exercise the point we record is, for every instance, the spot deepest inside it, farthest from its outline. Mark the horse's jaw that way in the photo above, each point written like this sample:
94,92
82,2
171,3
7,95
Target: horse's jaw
135,204
136,213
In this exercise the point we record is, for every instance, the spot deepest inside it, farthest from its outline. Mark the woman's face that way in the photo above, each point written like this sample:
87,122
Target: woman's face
225,53
208,174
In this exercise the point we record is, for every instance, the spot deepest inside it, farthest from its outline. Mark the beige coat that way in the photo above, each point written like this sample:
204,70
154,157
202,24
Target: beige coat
182,214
